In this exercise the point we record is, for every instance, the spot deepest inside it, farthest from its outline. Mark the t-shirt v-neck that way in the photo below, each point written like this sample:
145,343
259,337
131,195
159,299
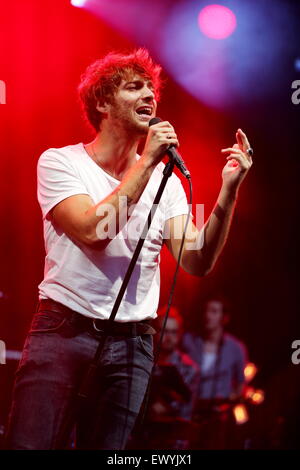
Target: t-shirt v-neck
93,163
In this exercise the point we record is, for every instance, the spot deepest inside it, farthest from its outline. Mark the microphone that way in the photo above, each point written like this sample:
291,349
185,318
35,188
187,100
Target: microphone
172,152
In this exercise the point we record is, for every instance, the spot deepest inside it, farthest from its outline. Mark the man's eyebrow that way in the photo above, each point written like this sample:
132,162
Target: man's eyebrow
133,81
138,81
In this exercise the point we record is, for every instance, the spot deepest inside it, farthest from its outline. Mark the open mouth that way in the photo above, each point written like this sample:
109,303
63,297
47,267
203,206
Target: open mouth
145,112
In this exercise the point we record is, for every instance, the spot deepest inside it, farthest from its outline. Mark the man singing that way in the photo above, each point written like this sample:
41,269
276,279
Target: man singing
95,199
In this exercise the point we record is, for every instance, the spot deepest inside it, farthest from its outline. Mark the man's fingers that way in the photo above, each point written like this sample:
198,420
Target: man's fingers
169,138
239,140
231,150
168,135
234,156
239,158
162,125
242,140
238,155
173,141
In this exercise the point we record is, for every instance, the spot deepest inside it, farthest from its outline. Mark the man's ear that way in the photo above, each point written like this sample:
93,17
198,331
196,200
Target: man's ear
102,107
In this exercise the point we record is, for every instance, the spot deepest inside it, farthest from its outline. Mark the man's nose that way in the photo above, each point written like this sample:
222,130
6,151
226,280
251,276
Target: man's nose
148,94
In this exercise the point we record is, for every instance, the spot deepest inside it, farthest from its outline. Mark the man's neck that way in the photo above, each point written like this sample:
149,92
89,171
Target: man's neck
214,336
114,152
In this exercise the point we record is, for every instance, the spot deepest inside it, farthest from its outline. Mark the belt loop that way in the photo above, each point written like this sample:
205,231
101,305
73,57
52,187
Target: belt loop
37,306
134,332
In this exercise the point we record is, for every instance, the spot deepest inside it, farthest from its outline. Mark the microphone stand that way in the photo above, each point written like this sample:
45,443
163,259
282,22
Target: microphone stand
86,385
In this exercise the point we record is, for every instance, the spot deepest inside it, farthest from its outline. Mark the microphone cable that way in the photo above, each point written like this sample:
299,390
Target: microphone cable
172,290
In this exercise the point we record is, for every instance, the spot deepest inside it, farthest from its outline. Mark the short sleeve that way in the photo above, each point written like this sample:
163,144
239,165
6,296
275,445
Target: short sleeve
177,202
56,180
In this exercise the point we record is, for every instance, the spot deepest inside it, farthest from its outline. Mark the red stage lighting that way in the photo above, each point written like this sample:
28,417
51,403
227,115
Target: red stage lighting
217,21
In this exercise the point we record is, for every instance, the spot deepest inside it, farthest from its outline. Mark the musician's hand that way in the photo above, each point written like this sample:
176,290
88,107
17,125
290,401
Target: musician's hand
159,137
238,163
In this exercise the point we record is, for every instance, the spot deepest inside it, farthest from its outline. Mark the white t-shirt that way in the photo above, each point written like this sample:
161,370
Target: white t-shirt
88,280
208,361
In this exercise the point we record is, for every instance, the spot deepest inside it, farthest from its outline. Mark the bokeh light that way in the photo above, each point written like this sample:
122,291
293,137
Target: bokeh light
217,21
297,64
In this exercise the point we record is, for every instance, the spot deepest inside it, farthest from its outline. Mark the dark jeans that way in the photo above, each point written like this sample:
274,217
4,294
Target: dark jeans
55,358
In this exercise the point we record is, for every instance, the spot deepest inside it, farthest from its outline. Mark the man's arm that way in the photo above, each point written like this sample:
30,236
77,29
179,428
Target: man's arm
202,248
210,240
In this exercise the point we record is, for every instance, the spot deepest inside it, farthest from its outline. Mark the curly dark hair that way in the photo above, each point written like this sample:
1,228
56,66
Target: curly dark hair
102,78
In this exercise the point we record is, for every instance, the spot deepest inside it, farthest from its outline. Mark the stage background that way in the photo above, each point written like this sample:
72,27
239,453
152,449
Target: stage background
44,47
